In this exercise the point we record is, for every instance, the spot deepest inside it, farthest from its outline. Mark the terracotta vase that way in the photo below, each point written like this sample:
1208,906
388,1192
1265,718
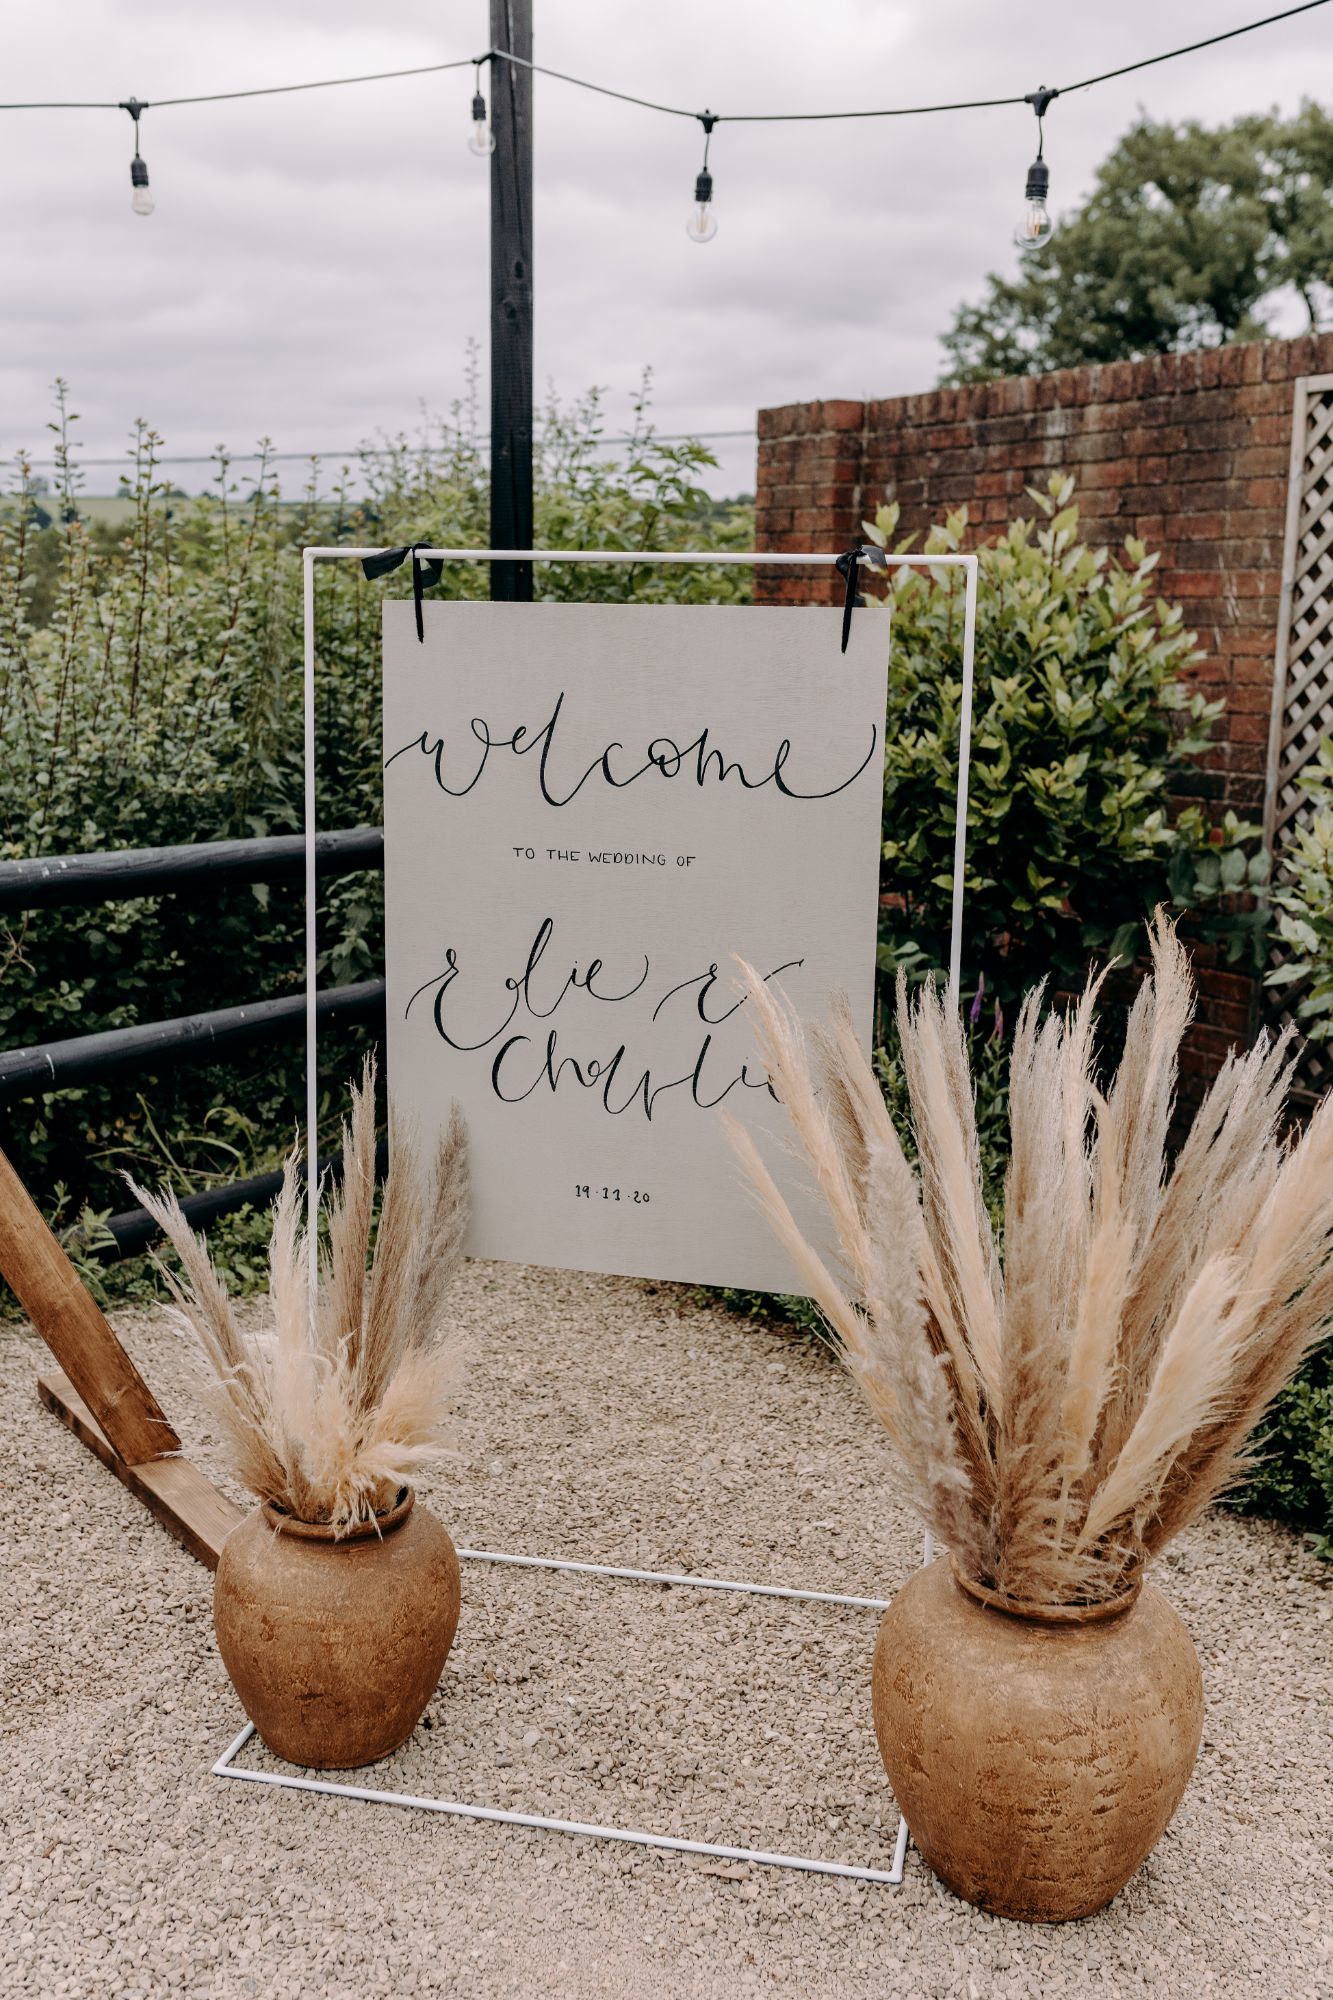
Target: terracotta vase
1037,1754
335,1647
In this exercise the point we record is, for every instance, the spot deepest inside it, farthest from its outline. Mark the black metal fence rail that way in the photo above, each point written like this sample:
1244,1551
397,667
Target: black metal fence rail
85,1058
49,881
126,1235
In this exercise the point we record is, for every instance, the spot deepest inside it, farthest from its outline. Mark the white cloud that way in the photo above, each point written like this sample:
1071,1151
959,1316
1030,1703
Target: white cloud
317,263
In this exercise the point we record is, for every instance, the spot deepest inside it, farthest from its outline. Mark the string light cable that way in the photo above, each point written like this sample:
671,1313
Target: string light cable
1033,230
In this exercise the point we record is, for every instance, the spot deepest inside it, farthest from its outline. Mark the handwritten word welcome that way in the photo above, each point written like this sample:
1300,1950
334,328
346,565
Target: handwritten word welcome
699,761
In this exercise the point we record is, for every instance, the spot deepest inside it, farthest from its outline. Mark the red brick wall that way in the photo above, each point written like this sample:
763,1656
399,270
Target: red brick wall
1189,451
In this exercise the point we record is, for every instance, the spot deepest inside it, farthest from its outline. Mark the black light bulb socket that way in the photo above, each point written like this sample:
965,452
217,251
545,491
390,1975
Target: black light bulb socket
703,188
479,109
1039,181
138,172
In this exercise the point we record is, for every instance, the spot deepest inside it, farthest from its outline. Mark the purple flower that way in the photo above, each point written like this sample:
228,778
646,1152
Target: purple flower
974,1012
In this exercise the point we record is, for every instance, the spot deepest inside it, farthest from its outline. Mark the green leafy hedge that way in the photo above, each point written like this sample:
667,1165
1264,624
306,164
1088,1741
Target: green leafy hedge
150,693
1304,900
1084,726
1294,1479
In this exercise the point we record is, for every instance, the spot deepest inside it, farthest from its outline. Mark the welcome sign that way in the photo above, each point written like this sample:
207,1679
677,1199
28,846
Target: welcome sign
590,811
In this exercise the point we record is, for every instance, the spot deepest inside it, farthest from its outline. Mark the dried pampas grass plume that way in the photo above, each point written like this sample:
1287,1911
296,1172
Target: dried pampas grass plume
327,1415
1059,1414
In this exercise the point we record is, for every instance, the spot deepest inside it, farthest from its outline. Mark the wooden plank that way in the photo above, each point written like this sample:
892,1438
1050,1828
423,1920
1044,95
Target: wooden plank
1310,619
1313,669
75,1329
177,1494
1282,646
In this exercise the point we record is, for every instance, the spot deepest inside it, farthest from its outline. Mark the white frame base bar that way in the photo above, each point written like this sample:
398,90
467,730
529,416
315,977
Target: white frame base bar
890,1877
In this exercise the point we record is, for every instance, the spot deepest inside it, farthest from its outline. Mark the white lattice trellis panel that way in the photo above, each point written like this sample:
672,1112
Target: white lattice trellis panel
1303,662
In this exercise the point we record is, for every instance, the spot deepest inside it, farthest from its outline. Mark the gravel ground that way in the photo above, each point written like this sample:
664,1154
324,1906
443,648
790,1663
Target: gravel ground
628,1424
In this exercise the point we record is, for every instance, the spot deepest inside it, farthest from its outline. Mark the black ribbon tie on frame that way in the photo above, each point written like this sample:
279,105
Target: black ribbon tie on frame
425,571
847,565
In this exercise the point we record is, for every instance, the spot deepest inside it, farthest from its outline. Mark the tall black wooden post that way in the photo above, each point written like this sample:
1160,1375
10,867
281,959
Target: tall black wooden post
511,298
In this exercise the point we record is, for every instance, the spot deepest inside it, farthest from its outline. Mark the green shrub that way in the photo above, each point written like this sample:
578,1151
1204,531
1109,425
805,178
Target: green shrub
150,693
1304,900
1294,1480
1084,728
1084,725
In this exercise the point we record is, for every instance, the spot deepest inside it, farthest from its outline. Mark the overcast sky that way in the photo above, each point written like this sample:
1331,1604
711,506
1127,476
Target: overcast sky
316,264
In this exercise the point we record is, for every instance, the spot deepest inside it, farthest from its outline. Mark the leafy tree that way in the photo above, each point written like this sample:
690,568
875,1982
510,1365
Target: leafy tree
1185,241
1298,160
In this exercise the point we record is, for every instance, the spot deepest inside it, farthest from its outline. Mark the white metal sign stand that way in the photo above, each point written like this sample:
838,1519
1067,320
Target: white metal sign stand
225,1766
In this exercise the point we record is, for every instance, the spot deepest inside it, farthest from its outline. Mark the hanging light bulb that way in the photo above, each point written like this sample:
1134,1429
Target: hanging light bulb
482,141
141,201
702,225
1034,225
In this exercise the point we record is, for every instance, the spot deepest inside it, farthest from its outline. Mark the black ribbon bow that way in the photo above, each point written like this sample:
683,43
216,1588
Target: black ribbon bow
424,572
846,566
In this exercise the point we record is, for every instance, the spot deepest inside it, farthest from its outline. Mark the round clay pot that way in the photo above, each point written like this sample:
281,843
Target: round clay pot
335,1647
1037,1754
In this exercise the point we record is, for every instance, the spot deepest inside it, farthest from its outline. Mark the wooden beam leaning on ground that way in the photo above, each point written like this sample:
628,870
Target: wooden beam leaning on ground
100,1394
176,1493
75,1329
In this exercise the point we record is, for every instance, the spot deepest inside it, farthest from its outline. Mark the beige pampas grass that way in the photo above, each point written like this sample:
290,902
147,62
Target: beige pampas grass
1059,1414
329,1415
